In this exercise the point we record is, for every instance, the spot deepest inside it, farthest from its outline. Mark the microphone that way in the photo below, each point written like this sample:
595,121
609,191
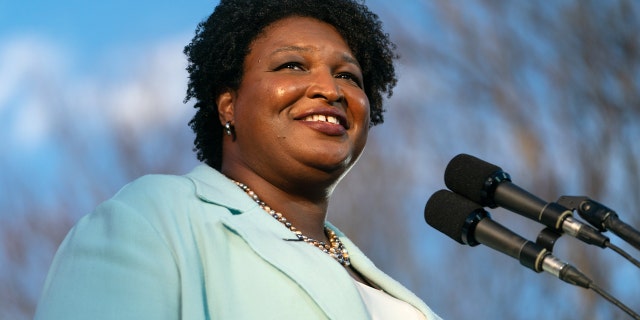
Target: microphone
489,186
468,223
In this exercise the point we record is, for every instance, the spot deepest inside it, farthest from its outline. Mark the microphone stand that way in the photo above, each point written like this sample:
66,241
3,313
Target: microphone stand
599,216
602,218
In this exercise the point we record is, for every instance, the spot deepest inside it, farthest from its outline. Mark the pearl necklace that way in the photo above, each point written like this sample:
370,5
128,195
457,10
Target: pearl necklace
334,248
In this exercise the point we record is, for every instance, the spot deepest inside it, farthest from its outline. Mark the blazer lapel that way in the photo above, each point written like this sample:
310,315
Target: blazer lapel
323,278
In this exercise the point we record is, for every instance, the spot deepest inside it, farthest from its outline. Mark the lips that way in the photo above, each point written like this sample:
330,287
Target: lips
330,117
323,118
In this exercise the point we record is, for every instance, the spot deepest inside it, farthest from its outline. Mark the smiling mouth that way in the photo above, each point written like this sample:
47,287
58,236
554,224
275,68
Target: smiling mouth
322,118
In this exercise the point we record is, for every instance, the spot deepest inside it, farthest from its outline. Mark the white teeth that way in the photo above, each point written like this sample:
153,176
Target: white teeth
323,118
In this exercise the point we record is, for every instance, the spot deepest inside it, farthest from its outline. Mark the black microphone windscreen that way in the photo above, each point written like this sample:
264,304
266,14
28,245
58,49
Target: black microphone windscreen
467,176
448,212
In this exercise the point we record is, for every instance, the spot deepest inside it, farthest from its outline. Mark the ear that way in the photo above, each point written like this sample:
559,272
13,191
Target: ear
225,102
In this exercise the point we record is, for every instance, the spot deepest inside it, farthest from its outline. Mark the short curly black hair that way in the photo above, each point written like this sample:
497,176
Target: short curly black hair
217,52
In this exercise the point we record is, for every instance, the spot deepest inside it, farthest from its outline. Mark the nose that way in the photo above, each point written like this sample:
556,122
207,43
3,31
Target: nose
324,86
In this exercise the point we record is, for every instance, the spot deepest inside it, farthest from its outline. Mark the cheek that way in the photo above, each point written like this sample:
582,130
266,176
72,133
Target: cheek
289,89
361,108
362,115
266,96
361,142
283,93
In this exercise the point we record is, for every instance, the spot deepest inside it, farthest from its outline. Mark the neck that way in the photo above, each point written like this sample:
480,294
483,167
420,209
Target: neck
304,207
332,245
329,243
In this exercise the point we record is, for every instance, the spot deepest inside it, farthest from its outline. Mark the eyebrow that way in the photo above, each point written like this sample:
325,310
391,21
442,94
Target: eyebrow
345,56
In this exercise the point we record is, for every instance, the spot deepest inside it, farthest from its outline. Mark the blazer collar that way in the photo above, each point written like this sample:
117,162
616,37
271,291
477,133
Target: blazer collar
323,279
214,187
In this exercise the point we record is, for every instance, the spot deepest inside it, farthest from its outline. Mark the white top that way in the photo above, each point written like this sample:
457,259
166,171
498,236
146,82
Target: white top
382,306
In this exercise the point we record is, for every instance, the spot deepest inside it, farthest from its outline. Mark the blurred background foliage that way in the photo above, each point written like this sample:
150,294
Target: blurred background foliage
550,92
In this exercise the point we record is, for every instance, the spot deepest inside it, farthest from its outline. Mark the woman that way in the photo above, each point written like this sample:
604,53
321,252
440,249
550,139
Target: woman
285,92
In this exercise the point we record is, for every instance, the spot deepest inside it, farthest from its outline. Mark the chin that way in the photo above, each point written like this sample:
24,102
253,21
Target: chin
337,170
332,167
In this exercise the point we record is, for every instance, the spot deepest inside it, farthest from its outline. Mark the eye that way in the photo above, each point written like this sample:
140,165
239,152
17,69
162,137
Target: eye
350,77
291,66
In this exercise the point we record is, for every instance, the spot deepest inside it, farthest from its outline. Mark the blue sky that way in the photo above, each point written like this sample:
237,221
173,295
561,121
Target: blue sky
91,26
103,59
87,57
73,40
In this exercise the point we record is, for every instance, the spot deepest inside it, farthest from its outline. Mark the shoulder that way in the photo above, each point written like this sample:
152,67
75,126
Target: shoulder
169,191
155,186
164,199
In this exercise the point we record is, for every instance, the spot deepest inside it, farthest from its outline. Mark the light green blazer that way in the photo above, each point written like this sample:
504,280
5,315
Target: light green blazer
197,247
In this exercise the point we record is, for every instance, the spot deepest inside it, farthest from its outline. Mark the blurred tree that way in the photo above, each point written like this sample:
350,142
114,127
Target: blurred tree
551,94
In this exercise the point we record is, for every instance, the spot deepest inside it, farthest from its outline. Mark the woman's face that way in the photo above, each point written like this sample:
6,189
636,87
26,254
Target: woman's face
300,108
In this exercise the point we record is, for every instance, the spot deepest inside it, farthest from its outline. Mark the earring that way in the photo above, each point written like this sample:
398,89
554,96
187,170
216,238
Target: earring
228,130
